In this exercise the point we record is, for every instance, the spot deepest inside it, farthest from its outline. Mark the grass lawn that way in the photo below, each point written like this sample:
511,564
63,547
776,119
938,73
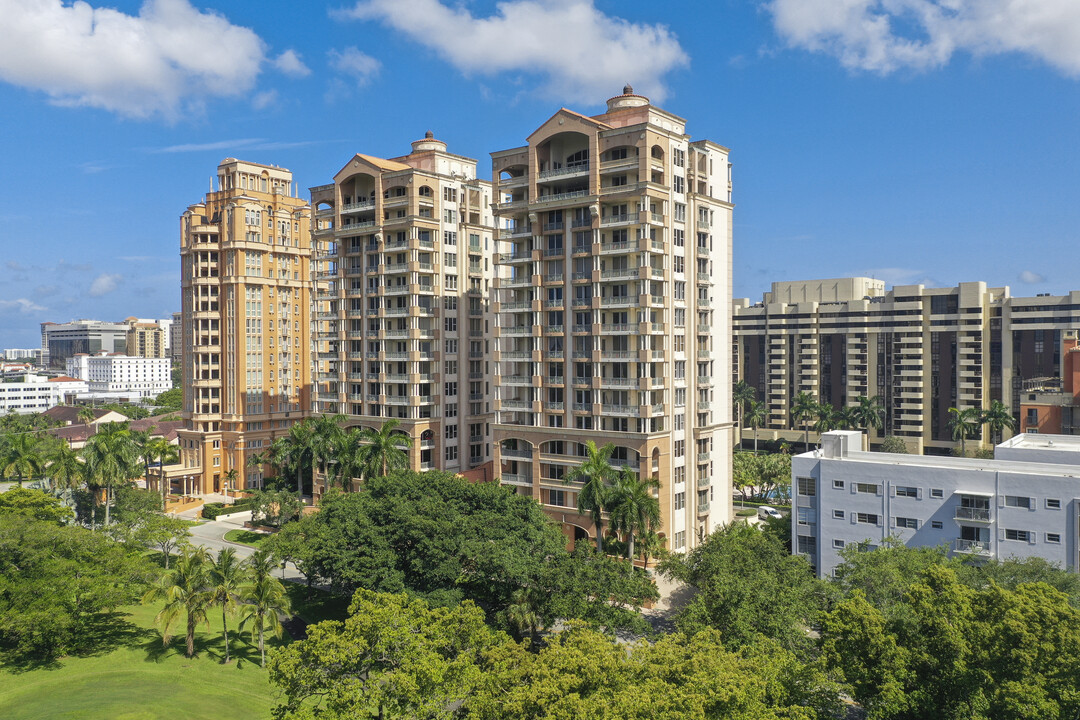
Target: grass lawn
133,677
246,537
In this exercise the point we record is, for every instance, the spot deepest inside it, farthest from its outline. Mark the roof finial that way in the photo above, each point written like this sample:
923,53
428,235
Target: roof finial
628,89
429,135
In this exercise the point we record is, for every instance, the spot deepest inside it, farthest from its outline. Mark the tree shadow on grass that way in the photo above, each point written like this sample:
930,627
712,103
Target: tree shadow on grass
98,634
243,652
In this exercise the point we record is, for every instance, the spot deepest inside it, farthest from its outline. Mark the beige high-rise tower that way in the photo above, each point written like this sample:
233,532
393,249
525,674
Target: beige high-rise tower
613,312
404,268
246,309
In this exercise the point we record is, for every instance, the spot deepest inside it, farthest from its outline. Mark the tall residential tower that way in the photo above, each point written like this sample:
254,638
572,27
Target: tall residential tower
613,312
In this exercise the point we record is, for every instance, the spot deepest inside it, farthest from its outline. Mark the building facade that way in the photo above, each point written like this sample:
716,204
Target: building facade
36,393
921,350
176,337
404,270
146,339
122,375
245,326
1024,503
33,354
612,305
59,341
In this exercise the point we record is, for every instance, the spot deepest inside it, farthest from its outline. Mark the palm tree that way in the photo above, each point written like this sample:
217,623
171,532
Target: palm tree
230,480
756,416
742,395
827,419
165,453
385,448
326,435
349,459
997,417
633,508
185,588
86,415
227,578
652,544
869,413
143,440
264,598
963,424
595,475
258,460
65,469
521,615
22,458
847,417
802,409
111,458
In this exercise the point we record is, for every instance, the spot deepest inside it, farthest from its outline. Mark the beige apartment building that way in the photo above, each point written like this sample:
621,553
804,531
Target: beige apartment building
921,350
612,305
404,270
246,323
145,339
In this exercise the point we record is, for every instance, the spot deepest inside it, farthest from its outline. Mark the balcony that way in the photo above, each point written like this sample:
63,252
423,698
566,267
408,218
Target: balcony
568,171
558,197
517,330
620,274
620,328
622,410
517,454
516,479
623,219
516,405
972,547
358,206
973,514
620,301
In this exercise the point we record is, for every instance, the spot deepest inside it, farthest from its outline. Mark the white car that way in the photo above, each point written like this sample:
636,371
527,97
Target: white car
765,512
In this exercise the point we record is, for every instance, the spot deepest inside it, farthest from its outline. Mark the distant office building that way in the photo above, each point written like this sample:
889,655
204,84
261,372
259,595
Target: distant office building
921,350
59,341
1024,503
176,337
122,375
31,354
404,271
36,393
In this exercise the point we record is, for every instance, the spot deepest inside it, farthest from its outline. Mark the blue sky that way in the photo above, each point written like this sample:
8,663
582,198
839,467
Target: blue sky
931,141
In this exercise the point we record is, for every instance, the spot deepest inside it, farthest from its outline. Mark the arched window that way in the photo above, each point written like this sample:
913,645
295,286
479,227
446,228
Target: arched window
578,159
427,436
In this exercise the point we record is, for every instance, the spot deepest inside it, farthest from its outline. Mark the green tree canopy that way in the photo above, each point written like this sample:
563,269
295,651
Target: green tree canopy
35,504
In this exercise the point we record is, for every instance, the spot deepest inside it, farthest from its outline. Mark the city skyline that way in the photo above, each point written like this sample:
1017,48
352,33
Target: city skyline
937,161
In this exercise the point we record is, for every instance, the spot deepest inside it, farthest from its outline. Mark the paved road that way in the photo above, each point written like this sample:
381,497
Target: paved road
211,535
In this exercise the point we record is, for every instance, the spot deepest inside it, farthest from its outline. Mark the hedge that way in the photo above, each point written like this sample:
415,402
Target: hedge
211,511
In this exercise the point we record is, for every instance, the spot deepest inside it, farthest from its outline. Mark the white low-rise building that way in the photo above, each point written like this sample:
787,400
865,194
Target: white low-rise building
1024,503
36,393
122,375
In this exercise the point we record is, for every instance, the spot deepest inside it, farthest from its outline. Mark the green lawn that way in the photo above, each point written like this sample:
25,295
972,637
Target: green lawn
134,678
246,537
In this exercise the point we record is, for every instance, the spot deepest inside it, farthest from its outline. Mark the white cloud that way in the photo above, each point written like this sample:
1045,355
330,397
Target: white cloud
361,67
215,145
899,276
289,62
104,284
887,35
263,100
159,62
1030,277
585,55
20,305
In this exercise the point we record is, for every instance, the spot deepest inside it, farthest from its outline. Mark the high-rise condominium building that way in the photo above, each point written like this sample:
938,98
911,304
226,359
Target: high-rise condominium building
404,264
145,338
920,350
176,337
245,292
613,312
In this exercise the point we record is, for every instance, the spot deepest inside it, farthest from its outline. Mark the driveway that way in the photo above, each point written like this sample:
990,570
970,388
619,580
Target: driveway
211,535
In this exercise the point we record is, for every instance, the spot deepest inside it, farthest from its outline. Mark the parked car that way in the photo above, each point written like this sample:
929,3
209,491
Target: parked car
765,512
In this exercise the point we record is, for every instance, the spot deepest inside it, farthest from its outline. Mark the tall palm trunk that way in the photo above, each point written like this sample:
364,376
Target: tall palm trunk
599,533
262,646
190,635
630,545
225,631
107,496
755,441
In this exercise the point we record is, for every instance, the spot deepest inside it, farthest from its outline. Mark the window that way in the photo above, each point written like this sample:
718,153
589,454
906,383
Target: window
680,500
870,488
450,282
450,259
678,184
680,212
451,452
450,432
1018,535
936,524
451,410
1053,538
451,389
866,518
1053,503
451,347
838,484
837,543
937,493
907,491
680,448
1018,501
838,514
680,539
806,486
907,523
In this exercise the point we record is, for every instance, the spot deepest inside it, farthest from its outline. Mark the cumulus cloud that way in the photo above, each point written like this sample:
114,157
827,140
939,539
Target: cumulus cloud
360,66
584,54
104,284
289,62
263,100
20,305
158,62
887,35
1030,277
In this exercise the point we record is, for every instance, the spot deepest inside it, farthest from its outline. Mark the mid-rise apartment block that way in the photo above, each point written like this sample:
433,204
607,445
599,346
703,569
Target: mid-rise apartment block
246,311
145,338
59,341
612,305
176,337
404,271
1023,503
921,350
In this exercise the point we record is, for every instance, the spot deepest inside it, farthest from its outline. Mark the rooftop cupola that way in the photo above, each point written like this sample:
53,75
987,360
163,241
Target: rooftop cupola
428,143
627,100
